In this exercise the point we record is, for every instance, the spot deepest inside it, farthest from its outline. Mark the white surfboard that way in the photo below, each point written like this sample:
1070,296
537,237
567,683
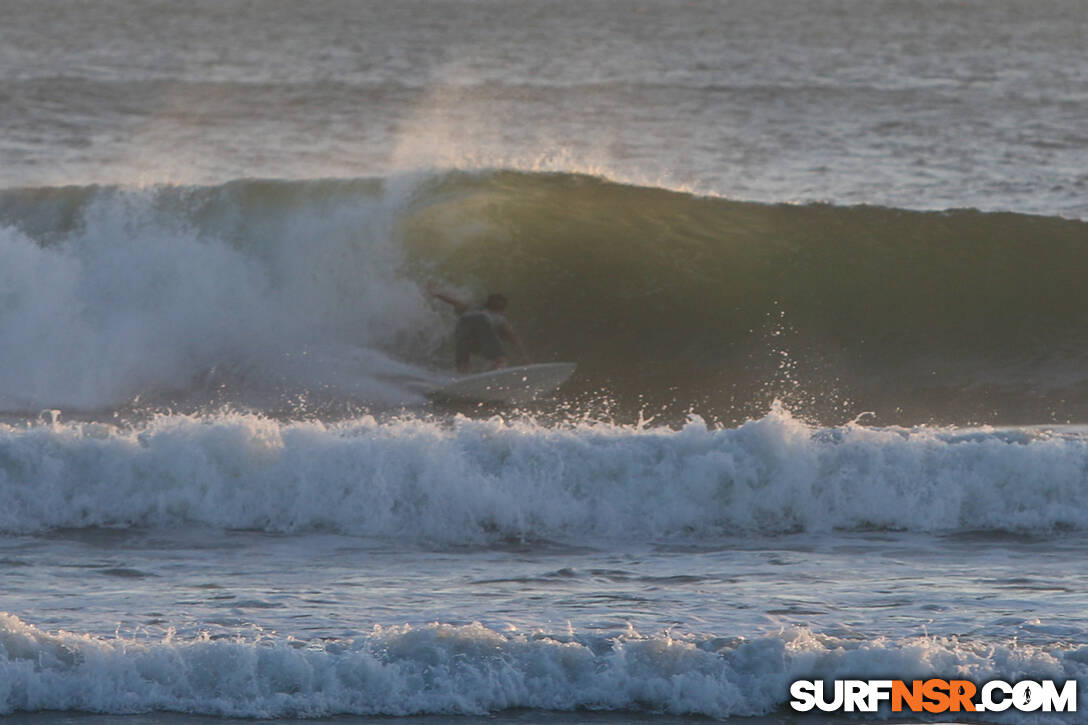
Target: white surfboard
507,385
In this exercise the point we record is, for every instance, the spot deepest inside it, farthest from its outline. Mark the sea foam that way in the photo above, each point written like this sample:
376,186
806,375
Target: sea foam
467,669
475,481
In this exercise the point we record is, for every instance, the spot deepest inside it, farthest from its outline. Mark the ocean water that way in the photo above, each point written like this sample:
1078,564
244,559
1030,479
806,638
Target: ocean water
820,263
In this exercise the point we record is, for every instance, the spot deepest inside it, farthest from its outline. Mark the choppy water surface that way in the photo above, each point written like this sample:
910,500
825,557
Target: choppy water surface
819,263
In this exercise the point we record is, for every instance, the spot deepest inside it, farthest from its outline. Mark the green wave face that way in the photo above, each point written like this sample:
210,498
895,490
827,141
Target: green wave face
682,301
670,303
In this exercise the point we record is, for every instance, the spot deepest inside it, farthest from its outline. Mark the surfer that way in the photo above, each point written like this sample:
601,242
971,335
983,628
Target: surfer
482,330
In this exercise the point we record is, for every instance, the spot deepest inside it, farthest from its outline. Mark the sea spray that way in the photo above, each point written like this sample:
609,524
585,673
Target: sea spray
117,293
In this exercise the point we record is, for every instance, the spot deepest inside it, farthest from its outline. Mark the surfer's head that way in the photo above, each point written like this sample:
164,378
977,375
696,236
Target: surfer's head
496,302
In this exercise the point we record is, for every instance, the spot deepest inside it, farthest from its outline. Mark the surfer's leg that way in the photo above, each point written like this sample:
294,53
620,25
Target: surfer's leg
468,335
491,346
463,340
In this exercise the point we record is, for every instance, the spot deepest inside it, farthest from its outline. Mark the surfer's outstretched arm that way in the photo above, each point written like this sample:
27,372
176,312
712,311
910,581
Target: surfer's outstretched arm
458,306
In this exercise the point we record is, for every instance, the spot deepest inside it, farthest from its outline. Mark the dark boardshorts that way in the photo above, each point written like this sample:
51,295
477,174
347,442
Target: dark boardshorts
476,334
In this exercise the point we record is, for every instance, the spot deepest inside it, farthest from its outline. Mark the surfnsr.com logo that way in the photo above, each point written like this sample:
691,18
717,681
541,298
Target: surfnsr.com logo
934,696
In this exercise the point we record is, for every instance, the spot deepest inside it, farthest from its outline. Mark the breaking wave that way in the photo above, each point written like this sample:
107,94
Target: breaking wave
463,481
471,669
264,291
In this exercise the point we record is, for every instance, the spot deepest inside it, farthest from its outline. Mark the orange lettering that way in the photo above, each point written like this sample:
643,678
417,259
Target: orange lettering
937,692
901,694
961,693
